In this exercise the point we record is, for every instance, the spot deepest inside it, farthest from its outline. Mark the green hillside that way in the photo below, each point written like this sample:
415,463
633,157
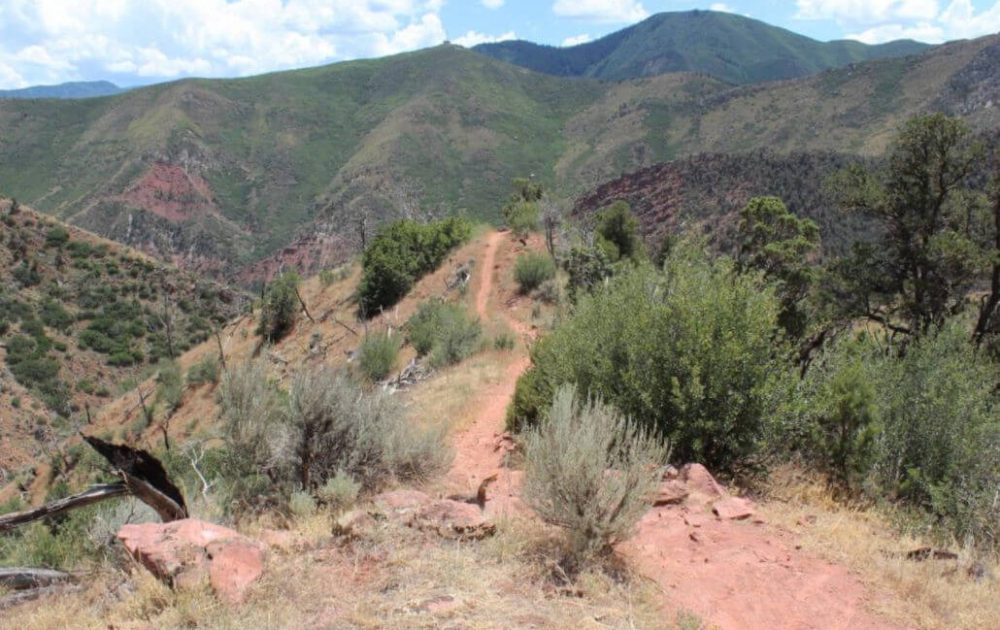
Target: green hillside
226,176
728,47
80,316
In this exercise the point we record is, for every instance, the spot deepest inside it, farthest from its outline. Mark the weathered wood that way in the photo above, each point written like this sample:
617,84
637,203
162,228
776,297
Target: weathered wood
21,578
144,477
303,303
87,497
32,594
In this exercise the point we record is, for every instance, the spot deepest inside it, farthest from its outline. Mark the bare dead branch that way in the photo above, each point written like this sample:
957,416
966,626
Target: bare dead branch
90,496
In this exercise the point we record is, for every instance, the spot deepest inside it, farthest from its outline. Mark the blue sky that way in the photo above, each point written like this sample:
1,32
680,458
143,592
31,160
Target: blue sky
142,41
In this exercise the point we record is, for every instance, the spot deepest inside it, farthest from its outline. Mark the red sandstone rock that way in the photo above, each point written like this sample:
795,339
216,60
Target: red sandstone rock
699,480
670,493
183,553
733,508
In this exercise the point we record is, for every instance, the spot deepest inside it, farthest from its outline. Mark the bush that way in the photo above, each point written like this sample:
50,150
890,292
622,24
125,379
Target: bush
337,430
170,386
254,427
401,254
302,504
443,331
618,233
591,471
692,353
934,419
377,355
340,491
57,236
204,371
280,307
504,341
532,269
522,217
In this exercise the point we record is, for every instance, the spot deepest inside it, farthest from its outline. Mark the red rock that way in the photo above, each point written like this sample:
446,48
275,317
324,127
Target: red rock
699,480
453,519
670,493
183,553
733,509
234,566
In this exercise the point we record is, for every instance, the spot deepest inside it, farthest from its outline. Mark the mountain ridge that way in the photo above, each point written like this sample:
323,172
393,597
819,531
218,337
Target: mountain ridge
68,90
714,43
289,168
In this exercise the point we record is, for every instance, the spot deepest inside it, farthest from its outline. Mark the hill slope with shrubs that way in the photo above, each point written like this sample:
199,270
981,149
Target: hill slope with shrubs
80,318
230,176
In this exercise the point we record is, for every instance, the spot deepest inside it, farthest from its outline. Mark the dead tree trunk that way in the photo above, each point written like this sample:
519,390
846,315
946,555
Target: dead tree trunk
85,498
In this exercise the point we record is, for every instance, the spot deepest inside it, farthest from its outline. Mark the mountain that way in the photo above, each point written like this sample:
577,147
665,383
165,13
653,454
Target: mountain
728,47
71,90
240,177
81,315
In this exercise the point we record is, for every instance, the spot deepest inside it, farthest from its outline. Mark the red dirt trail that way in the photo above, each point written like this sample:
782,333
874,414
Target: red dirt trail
742,575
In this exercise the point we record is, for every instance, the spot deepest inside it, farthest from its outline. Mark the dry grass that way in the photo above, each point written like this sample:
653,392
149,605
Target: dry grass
934,594
395,578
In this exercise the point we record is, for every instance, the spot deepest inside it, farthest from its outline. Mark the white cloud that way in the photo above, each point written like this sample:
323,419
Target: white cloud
576,40
493,4
722,7
877,21
601,10
48,41
867,11
474,38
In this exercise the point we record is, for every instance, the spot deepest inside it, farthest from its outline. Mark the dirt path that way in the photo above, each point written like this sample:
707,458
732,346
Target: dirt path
732,574
476,455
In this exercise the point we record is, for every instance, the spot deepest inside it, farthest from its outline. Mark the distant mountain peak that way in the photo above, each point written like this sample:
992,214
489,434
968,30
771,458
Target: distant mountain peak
729,47
69,90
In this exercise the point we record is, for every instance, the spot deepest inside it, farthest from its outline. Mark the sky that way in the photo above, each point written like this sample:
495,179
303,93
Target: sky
135,42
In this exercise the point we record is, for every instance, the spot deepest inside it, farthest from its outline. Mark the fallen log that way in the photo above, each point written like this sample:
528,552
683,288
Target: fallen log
82,499
32,594
21,578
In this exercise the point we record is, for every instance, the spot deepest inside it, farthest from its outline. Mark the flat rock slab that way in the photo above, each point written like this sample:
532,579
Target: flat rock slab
185,553
671,492
733,508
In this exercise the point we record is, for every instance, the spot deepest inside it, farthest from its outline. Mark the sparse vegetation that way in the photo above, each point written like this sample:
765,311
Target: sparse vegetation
377,355
591,471
533,269
324,431
444,332
280,307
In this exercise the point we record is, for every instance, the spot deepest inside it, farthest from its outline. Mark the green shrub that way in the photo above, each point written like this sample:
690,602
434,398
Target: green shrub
377,355
401,254
618,233
204,371
532,269
923,427
504,341
591,471
443,331
301,504
169,386
54,315
57,236
340,491
692,352
522,217
280,307
336,429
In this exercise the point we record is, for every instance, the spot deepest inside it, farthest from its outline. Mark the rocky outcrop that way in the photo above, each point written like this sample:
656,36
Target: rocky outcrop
189,552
